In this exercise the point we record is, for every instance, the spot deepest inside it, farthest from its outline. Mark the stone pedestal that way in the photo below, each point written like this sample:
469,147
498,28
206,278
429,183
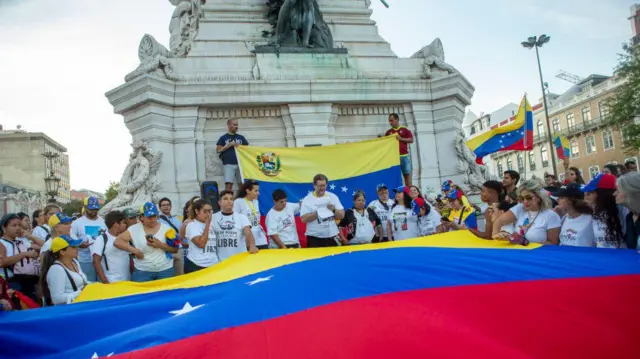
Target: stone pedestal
286,98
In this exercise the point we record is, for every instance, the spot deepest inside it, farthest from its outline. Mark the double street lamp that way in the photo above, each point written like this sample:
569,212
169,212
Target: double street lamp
536,42
51,182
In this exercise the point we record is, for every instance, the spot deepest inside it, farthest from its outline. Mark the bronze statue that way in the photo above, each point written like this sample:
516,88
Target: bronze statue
300,24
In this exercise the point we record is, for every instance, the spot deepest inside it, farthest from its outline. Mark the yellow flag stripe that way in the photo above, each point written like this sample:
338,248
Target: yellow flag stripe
245,264
300,164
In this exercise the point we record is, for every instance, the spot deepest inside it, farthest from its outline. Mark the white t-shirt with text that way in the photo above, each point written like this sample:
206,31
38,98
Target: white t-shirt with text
321,228
600,233
202,257
427,224
383,213
88,230
577,232
283,224
117,259
404,223
542,222
252,211
229,230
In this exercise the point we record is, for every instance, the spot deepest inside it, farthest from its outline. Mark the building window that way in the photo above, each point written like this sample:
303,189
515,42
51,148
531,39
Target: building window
473,129
575,149
590,142
632,159
607,140
480,125
593,171
544,156
532,161
556,125
520,159
586,114
603,109
499,166
486,123
540,128
571,121
509,163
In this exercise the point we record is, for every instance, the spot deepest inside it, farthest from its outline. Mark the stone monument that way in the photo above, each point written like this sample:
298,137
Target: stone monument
325,77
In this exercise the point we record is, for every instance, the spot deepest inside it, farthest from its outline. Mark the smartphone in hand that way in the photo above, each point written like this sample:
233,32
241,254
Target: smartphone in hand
516,238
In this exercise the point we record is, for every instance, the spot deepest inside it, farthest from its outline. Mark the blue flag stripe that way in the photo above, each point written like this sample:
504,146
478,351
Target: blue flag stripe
124,324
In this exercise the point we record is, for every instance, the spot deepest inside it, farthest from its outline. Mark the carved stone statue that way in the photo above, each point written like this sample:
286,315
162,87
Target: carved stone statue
474,175
27,202
433,56
139,182
301,24
154,59
184,25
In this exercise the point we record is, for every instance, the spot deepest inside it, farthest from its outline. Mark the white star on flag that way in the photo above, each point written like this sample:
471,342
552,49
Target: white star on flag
259,280
502,136
309,192
95,356
500,140
344,189
522,133
509,134
332,186
501,146
354,193
186,309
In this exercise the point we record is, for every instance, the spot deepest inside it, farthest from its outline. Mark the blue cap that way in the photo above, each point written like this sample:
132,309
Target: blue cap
402,189
92,204
455,194
149,209
60,218
601,181
381,186
61,242
446,185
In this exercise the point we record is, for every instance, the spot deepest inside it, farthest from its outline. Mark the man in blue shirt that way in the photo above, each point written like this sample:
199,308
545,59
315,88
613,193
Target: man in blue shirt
226,150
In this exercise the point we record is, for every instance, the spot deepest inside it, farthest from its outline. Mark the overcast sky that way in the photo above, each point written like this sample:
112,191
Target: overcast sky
59,57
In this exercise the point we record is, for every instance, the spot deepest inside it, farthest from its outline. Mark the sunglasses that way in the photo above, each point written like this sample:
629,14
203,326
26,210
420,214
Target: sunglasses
527,198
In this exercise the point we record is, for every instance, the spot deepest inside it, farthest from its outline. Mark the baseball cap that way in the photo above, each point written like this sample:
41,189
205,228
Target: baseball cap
404,189
130,213
381,186
455,194
570,190
416,204
62,242
91,203
446,185
149,209
60,218
600,181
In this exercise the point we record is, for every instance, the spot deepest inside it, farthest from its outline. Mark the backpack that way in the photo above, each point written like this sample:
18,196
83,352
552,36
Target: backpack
46,238
104,248
26,266
16,250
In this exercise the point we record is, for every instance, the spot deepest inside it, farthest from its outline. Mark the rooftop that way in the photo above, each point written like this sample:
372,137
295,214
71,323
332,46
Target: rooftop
22,135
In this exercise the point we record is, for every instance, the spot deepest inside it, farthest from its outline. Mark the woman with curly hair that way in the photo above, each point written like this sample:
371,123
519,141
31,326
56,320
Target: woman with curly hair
607,215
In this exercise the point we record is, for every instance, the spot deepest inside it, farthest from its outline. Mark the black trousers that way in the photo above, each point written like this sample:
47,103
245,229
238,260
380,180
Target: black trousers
378,240
264,246
292,245
316,242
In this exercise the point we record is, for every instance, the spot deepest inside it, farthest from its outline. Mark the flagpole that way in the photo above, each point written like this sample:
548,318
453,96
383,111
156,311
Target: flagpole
524,103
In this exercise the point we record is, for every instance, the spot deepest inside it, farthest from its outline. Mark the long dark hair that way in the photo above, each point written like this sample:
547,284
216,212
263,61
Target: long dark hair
606,211
579,179
246,186
48,259
5,221
406,199
580,206
34,221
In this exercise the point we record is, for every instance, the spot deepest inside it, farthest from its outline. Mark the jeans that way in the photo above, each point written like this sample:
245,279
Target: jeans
89,271
142,276
405,164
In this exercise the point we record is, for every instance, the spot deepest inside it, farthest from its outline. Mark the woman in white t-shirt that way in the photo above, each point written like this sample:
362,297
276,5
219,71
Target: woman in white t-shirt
533,217
247,203
428,217
577,224
382,207
201,237
361,224
608,217
62,279
404,223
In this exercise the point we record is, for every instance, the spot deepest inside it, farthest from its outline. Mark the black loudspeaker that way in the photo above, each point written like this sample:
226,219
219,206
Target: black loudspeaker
209,191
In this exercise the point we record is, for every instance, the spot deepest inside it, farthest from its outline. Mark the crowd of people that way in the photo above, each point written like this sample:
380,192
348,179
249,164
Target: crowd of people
50,256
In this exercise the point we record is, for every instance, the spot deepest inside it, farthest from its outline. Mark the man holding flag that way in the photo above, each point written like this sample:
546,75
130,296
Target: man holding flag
516,136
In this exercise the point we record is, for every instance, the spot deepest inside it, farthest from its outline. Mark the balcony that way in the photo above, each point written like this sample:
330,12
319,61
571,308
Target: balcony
585,126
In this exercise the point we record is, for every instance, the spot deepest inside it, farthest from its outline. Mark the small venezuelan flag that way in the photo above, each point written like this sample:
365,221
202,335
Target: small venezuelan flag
516,136
563,148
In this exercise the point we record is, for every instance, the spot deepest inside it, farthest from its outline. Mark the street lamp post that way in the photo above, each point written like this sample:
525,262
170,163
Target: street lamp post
536,42
51,182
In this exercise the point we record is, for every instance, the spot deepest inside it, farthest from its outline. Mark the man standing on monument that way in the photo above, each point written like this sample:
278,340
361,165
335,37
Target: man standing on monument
405,137
226,150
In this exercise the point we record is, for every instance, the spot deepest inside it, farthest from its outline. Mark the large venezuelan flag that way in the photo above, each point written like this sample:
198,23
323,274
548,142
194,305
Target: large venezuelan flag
443,296
349,167
516,136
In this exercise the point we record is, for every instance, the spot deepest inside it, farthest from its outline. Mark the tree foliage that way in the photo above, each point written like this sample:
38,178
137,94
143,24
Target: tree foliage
273,9
624,106
75,206
111,192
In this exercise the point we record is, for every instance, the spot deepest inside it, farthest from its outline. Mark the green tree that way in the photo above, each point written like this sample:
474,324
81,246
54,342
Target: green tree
75,206
111,192
624,106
